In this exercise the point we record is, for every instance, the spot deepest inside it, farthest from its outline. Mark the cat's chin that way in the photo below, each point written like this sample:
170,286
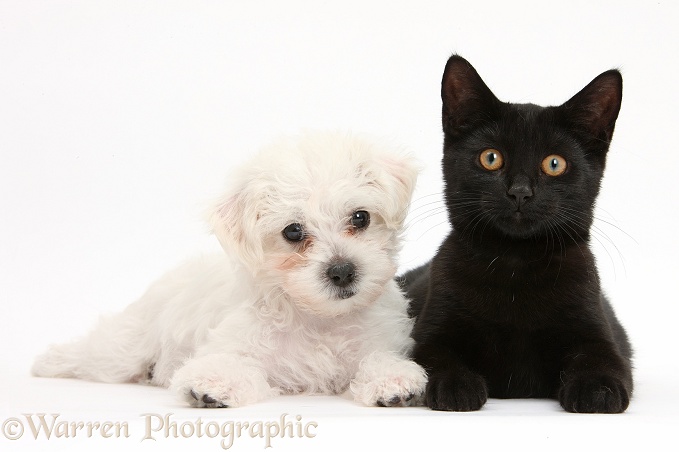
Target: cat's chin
518,226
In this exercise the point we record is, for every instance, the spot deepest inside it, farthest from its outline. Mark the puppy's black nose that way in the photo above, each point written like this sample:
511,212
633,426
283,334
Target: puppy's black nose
342,274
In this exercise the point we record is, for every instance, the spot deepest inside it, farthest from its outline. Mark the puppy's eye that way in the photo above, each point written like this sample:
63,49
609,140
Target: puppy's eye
491,159
554,165
360,219
293,232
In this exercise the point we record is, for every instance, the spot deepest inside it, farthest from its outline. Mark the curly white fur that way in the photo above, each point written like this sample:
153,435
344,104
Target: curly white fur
265,318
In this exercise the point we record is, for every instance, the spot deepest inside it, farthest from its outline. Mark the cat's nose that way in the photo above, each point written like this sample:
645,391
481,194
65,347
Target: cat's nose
520,191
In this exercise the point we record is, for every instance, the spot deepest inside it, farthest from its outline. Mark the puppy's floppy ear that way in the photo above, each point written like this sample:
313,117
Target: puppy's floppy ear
233,220
397,176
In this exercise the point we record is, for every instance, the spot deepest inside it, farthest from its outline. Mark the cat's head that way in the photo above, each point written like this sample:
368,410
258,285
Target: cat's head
522,170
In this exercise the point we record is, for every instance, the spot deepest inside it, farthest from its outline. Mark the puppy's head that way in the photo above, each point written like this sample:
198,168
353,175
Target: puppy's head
318,217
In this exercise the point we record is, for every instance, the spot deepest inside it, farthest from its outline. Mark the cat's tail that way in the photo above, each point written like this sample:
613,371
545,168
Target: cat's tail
117,351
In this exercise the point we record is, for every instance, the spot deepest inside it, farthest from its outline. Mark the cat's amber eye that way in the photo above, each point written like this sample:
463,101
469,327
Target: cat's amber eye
491,159
554,165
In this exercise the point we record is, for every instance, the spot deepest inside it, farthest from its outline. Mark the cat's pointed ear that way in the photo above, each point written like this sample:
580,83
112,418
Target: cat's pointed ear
594,110
467,100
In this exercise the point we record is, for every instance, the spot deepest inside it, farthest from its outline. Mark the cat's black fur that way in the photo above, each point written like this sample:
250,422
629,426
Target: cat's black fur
511,305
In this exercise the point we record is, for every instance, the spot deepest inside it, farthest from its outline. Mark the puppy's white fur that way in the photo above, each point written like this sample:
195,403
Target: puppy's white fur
265,318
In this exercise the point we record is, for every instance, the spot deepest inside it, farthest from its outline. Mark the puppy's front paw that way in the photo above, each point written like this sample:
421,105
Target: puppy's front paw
388,381
456,391
206,400
205,383
594,394
210,391
395,400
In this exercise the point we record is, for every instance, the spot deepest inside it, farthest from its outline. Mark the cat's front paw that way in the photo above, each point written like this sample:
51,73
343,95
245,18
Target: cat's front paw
456,391
594,394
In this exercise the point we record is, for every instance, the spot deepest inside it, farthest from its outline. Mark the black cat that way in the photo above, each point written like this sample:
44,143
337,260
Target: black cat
511,305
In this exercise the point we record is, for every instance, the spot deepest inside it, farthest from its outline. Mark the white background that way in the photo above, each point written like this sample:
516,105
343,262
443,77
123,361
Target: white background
120,119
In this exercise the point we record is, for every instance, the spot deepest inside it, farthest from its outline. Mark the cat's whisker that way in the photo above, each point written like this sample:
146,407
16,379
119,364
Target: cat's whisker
426,214
420,207
474,222
420,198
616,227
565,227
488,220
597,218
432,227
552,234
596,232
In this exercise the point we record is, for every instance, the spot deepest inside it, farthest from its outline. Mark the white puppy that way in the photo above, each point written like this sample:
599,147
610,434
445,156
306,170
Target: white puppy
303,301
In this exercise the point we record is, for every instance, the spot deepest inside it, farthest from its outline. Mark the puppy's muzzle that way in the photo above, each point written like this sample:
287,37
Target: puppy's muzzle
342,274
